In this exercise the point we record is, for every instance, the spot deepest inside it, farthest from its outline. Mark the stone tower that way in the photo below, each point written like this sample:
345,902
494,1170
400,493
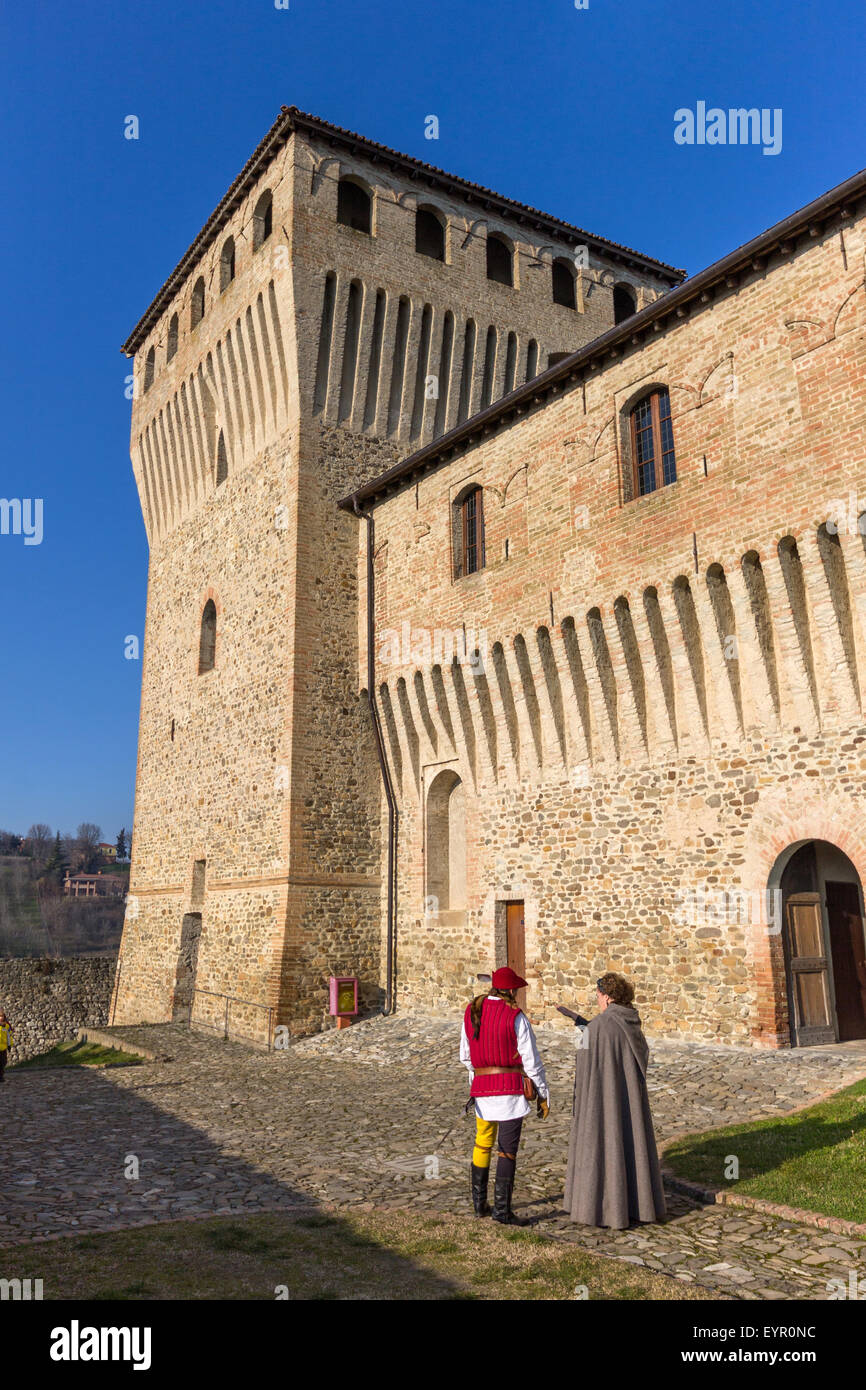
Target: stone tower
343,306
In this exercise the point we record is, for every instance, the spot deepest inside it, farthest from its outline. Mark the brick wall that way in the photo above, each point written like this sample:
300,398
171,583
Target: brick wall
620,755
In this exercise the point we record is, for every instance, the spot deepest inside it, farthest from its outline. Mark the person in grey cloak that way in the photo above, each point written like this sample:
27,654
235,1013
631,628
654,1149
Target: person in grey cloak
613,1175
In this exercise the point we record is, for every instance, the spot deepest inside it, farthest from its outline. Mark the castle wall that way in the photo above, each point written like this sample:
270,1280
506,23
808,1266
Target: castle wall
214,762
308,373
364,365
47,1000
670,688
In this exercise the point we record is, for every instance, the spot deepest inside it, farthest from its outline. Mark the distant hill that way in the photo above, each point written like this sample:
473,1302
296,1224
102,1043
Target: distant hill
21,930
54,926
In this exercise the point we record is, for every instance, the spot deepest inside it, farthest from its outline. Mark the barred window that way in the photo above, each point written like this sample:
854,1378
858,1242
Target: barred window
652,443
473,531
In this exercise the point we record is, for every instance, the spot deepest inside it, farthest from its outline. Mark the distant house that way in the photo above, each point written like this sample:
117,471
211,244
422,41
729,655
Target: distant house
96,885
108,851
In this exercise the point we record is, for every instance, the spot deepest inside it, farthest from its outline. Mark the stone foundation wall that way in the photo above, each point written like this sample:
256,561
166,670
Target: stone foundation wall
658,873
47,1000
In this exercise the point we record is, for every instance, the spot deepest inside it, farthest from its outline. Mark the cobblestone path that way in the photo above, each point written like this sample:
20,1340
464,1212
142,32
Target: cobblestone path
372,1116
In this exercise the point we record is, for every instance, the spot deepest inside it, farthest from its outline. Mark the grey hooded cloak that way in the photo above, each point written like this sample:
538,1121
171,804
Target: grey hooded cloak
613,1174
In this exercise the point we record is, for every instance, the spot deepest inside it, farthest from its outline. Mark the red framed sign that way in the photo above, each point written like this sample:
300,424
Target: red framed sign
343,991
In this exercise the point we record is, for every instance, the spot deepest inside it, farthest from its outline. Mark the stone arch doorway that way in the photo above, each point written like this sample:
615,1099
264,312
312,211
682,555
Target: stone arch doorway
821,919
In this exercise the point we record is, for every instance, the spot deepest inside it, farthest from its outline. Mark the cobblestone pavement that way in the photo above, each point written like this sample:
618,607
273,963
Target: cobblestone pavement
372,1116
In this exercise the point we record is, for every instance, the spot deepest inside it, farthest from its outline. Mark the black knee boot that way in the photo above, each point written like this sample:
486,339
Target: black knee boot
502,1190
480,1177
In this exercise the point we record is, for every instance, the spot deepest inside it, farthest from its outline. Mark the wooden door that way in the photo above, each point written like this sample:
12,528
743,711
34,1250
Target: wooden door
812,1018
848,954
516,945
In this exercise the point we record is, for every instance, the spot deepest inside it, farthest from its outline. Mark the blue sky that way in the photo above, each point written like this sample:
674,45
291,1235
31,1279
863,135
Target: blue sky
569,110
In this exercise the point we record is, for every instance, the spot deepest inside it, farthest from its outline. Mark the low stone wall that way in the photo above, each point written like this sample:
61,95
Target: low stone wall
47,1000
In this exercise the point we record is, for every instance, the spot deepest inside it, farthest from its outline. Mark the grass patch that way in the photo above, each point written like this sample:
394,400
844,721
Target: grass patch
814,1159
357,1256
79,1054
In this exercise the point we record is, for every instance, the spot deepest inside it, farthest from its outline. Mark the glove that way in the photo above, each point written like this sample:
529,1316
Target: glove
542,1107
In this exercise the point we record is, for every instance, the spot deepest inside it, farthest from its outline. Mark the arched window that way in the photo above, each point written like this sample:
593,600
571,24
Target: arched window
354,206
172,338
222,460
429,234
623,303
263,220
149,368
196,312
500,260
207,641
469,532
563,284
446,843
652,442
227,264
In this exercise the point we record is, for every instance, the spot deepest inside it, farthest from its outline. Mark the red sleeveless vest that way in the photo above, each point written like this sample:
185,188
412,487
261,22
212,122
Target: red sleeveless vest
496,1046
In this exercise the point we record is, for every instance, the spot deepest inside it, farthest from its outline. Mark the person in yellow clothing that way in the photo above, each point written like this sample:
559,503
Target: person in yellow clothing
497,1047
5,1042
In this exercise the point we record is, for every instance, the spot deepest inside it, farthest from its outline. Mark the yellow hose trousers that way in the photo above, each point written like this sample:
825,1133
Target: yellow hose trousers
485,1134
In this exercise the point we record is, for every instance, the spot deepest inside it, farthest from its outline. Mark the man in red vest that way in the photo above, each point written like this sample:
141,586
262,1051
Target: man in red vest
498,1049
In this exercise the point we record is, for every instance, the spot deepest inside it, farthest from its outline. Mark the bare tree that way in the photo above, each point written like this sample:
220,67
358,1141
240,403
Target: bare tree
88,837
40,839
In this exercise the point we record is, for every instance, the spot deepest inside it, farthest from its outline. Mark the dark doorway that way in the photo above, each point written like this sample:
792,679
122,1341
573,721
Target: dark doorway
849,958
824,945
187,967
516,945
